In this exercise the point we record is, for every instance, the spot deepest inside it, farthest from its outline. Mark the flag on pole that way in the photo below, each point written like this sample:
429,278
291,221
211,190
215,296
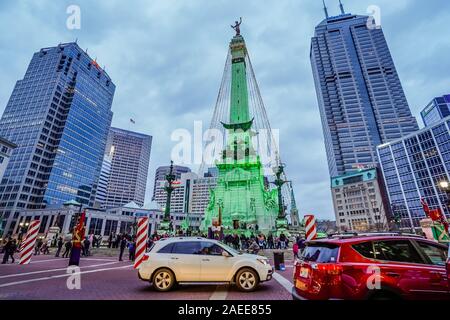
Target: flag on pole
27,246
132,121
141,241
77,238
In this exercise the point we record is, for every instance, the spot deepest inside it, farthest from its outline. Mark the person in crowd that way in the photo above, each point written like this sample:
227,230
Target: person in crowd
38,246
282,241
295,250
110,239
123,244
86,247
67,248
9,249
270,241
131,249
59,246
45,247
254,247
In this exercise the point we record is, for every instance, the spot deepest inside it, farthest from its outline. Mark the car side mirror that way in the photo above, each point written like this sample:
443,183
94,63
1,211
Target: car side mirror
225,254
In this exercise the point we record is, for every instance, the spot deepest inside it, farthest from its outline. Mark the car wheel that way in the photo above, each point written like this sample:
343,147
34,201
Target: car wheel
163,280
247,280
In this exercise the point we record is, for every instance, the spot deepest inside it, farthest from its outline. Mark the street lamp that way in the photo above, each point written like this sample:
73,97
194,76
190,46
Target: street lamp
23,228
166,226
281,222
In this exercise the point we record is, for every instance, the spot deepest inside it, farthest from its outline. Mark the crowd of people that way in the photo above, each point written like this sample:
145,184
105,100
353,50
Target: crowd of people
123,241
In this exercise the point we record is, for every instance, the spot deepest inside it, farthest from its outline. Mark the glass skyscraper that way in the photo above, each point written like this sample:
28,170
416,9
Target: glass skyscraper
412,168
360,97
437,109
59,115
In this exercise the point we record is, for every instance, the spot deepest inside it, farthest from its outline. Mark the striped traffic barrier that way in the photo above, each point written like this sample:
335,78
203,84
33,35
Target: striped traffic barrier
310,227
27,246
141,241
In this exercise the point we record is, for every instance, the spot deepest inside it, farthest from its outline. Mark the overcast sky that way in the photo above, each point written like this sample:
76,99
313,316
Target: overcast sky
166,58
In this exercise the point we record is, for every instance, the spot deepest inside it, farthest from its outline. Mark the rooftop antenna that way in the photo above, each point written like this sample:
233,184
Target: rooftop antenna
325,9
342,7
76,40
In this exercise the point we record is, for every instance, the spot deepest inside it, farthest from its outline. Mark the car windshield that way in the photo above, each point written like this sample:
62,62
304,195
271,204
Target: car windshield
230,249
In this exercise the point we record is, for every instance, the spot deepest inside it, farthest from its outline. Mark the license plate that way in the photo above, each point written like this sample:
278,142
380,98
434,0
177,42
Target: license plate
304,272
301,285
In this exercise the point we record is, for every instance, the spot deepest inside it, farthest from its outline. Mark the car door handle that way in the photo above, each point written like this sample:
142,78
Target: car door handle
205,259
174,258
393,274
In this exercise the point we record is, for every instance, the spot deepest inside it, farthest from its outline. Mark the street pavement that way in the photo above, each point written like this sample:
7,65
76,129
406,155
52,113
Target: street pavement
103,277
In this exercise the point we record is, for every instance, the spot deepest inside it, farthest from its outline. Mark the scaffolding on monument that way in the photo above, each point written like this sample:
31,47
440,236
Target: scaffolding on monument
264,138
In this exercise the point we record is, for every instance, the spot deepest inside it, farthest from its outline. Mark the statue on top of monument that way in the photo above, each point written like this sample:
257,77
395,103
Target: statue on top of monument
237,28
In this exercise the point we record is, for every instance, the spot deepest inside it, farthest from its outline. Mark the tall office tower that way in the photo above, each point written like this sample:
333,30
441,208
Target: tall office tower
102,188
130,153
58,115
360,97
161,173
436,110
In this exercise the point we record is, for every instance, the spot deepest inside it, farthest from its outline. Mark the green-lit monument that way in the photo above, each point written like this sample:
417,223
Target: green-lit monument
245,202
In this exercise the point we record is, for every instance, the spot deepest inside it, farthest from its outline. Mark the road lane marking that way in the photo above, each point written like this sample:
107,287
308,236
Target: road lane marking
32,261
283,281
52,270
220,293
60,276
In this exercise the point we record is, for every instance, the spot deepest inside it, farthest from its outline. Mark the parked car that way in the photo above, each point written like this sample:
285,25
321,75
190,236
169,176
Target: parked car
202,261
373,267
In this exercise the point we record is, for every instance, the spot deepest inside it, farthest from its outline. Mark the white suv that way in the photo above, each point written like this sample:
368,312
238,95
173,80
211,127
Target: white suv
199,260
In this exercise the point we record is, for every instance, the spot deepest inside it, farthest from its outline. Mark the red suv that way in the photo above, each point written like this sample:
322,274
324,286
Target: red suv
372,267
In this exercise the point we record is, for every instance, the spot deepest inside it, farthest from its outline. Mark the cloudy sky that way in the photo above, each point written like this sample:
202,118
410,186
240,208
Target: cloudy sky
166,58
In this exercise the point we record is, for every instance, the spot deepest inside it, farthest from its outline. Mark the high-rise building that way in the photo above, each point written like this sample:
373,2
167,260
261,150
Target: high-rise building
6,149
130,157
161,173
413,167
102,188
360,202
437,109
360,97
191,193
58,115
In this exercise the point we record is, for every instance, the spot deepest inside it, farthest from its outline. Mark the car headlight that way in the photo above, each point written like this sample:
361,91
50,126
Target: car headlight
263,261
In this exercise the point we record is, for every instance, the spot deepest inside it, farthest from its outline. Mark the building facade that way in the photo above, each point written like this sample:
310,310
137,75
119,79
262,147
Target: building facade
6,149
105,173
360,97
360,204
412,169
161,173
436,110
58,115
130,158
190,196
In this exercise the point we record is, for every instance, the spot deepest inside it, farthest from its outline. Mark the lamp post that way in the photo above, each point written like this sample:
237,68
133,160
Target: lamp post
166,226
23,229
281,222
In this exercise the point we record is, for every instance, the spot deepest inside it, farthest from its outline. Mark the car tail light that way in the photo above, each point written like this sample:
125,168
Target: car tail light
145,258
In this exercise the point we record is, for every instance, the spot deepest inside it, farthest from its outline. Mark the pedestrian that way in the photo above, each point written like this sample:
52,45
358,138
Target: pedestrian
123,244
254,247
67,248
295,250
38,246
86,245
131,250
45,247
99,240
9,249
270,241
59,245
110,240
